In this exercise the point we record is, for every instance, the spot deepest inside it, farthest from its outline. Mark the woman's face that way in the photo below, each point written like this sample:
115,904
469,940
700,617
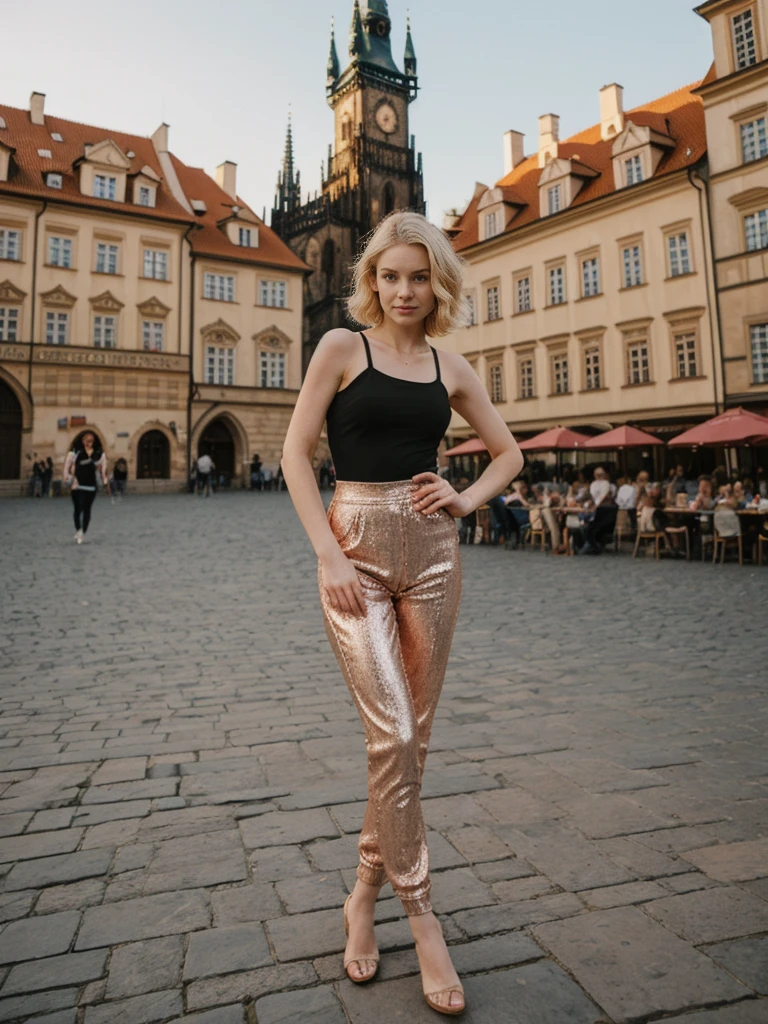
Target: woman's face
738,489
403,282
88,440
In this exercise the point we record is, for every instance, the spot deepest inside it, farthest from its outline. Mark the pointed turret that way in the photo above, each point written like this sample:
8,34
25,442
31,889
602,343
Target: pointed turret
356,34
409,62
334,67
288,194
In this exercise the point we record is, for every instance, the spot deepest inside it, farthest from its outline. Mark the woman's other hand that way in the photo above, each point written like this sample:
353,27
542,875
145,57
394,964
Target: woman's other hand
431,492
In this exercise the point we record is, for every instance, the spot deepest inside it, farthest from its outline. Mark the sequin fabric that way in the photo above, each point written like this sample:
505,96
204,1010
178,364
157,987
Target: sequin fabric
394,660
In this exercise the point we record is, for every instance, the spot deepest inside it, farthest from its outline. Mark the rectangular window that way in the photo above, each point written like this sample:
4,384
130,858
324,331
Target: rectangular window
59,251
492,302
106,258
556,286
634,168
523,295
156,264
244,235
10,244
685,354
152,335
104,332
758,336
56,328
219,365
104,186
525,373
638,364
555,198
469,298
744,39
272,369
219,286
756,230
679,254
496,382
491,224
273,293
754,140
633,266
592,367
560,373
145,195
590,277
9,323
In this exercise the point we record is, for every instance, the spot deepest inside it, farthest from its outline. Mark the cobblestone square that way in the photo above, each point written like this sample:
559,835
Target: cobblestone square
182,778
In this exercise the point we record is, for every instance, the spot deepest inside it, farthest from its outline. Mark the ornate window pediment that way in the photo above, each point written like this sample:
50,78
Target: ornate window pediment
106,303
10,293
751,199
496,208
153,309
58,296
645,144
219,333
107,154
272,339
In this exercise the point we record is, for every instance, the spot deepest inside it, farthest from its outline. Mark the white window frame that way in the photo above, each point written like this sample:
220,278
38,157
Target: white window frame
272,369
754,139
523,294
526,378
10,318
496,381
10,244
104,186
686,354
244,237
555,199
273,293
590,277
146,196
56,327
592,367
60,251
744,42
219,365
493,302
107,257
557,292
633,166
153,335
756,230
561,384
758,347
104,330
220,287
492,224
632,265
155,264
679,251
638,361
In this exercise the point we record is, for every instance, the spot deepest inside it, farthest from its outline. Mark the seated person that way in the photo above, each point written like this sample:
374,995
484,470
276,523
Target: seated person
520,496
703,501
626,498
739,495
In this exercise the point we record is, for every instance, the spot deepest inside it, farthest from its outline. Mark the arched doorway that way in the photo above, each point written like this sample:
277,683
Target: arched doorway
218,442
10,434
153,457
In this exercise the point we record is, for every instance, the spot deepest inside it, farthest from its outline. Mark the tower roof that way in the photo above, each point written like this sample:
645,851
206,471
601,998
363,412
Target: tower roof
368,44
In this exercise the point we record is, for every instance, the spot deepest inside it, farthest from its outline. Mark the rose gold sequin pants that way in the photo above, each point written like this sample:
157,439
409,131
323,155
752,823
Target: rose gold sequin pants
394,662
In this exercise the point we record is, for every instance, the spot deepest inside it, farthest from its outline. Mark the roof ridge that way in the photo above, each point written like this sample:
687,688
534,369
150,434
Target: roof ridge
79,124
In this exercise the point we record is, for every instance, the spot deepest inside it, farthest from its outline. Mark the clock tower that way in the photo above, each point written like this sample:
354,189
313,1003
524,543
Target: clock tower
372,167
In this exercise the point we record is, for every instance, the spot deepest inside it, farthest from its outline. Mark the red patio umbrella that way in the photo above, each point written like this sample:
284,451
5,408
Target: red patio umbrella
731,428
558,439
620,438
470,447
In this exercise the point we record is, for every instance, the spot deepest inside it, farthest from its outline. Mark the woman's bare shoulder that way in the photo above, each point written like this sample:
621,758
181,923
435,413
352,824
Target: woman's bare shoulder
339,341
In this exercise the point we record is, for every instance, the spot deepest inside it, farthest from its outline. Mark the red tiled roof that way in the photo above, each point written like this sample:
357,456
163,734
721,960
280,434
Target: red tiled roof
29,167
685,114
210,240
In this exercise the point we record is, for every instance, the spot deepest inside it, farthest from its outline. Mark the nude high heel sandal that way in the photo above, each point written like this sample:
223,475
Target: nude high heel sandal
449,1011
360,960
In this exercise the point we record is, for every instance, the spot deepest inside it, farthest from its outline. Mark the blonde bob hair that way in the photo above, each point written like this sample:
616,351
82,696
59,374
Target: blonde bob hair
406,228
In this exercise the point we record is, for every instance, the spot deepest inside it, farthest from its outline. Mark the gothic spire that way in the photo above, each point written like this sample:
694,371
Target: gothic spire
288,190
356,34
333,59
409,62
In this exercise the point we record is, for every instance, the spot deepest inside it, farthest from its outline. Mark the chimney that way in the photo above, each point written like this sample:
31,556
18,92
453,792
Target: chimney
226,177
160,139
513,150
611,111
37,108
549,138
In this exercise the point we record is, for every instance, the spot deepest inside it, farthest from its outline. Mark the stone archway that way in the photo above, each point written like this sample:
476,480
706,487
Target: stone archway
153,456
218,441
11,423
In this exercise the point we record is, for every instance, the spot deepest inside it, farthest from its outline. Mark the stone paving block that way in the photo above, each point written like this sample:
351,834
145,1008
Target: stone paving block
640,860
598,775
248,985
234,1014
217,951
622,895
76,896
749,1012
710,915
111,833
318,1005
282,828
442,854
459,889
633,967
312,892
170,913
41,844
151,965
687,883
20,1007
478,844
523,888
58,817
507,916
746,959
607,815
732,862
60,1017
329,854
141,790
191,862
302,936
253,902
13,824
189,821
503,870
125,769
55,971
675,840
169,803
98,814
145,1009
129,858
66,867
34,937
15,904
447,813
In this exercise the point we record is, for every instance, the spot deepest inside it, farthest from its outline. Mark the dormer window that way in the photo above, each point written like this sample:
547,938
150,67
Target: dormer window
637,153
744,48
555,199
492,224
53,180
45,154
244,237
146,196
634,169
104,186
57,137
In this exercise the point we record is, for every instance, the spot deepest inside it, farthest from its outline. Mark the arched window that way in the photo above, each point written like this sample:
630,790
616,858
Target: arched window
10,434
346,128
388,199
153,460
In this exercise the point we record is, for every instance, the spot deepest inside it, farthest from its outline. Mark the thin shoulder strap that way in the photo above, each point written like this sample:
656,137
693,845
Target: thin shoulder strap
367,350
437,361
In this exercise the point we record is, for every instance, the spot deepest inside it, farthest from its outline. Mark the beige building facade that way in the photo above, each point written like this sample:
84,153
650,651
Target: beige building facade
141,299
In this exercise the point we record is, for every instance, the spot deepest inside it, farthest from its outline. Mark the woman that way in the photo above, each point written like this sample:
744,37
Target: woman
80,468
388,556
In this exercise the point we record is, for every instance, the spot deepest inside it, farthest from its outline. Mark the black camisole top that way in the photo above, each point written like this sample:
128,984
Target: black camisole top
383,428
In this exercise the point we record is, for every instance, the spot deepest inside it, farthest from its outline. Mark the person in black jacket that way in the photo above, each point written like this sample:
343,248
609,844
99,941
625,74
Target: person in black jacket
82,465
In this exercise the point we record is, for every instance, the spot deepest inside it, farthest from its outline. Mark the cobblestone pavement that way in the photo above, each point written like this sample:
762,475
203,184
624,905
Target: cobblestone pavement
183,778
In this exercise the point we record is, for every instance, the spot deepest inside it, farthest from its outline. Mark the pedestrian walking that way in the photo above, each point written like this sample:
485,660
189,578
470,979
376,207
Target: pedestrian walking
46,475
389,572
119,478
205,466
83,464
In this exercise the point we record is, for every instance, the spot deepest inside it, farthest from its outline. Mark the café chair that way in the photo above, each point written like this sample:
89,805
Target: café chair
680,531
646,531
727,529
623,525
538,530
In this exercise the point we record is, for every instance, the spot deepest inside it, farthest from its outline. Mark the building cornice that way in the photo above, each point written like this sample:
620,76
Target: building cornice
722,85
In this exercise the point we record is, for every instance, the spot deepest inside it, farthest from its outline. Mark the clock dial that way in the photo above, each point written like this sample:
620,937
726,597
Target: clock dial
386,118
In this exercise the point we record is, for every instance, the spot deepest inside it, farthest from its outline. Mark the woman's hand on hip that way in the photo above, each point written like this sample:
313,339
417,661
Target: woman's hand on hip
341,584
431,492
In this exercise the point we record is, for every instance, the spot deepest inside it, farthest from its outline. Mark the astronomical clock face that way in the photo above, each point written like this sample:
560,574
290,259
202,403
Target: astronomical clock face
386,118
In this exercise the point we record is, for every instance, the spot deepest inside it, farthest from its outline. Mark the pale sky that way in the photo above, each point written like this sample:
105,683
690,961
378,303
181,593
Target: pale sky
223,74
